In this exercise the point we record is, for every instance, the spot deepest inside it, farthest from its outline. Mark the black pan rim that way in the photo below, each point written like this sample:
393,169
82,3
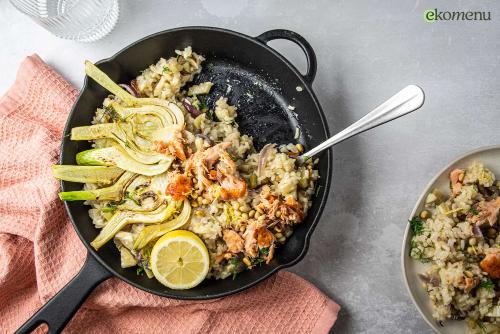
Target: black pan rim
326,155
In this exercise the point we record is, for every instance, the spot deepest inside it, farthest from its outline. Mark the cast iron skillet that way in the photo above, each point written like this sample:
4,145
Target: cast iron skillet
261,83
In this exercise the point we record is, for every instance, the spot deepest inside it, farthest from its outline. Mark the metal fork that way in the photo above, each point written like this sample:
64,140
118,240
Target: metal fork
404,102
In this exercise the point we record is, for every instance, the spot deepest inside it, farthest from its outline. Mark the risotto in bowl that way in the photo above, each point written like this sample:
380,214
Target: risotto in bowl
451,252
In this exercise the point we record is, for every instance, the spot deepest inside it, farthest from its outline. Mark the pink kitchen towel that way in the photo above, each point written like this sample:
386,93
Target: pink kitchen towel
40,252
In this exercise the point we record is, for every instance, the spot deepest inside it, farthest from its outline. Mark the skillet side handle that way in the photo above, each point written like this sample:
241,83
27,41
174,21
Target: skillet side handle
300,41
59,310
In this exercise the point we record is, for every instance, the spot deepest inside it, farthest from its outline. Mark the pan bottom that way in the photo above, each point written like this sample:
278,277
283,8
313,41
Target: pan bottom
257,97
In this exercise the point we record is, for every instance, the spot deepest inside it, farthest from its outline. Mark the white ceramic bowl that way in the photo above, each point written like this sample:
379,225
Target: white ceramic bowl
490,157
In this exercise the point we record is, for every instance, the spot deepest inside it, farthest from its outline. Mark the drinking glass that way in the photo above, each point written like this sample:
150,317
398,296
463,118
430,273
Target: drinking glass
78,20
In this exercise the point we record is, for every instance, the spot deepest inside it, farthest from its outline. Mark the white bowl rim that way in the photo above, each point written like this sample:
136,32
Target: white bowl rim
413,212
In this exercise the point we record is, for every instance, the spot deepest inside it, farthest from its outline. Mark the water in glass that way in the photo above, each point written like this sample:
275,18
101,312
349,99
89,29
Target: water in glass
79,20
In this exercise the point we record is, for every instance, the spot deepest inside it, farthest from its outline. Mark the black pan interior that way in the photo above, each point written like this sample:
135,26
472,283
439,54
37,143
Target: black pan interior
262,85
258,99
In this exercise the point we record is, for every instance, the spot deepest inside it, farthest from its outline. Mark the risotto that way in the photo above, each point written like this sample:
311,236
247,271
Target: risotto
457,235
198,173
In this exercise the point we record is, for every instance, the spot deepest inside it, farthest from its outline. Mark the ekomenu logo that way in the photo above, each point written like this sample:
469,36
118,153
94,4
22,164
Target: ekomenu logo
432,15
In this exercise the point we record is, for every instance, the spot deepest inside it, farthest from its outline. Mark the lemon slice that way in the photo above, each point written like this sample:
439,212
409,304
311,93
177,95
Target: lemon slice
180,260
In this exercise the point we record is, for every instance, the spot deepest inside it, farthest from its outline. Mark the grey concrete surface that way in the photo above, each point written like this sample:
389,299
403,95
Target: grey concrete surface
367,50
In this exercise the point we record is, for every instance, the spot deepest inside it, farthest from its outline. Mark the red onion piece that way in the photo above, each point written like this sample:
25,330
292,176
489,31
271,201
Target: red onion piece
264,153
205,137
128,89
433,280
190,108
135,87
477,231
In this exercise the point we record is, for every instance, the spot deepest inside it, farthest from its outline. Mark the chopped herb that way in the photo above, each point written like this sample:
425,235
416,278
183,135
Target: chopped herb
416,253
257,260
128,195
145,255
416,224
109,208
118,203
235,261
139,270
305,158
318,188
488,284
124,141
263,251
166,69
202,105
112,114
211,115
481,326
473,211
232,157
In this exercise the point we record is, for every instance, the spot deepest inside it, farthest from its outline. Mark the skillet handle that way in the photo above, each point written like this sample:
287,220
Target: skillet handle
300,41
60,309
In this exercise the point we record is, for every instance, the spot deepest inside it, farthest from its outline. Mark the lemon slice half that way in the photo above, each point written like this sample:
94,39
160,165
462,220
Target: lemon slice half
179,260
